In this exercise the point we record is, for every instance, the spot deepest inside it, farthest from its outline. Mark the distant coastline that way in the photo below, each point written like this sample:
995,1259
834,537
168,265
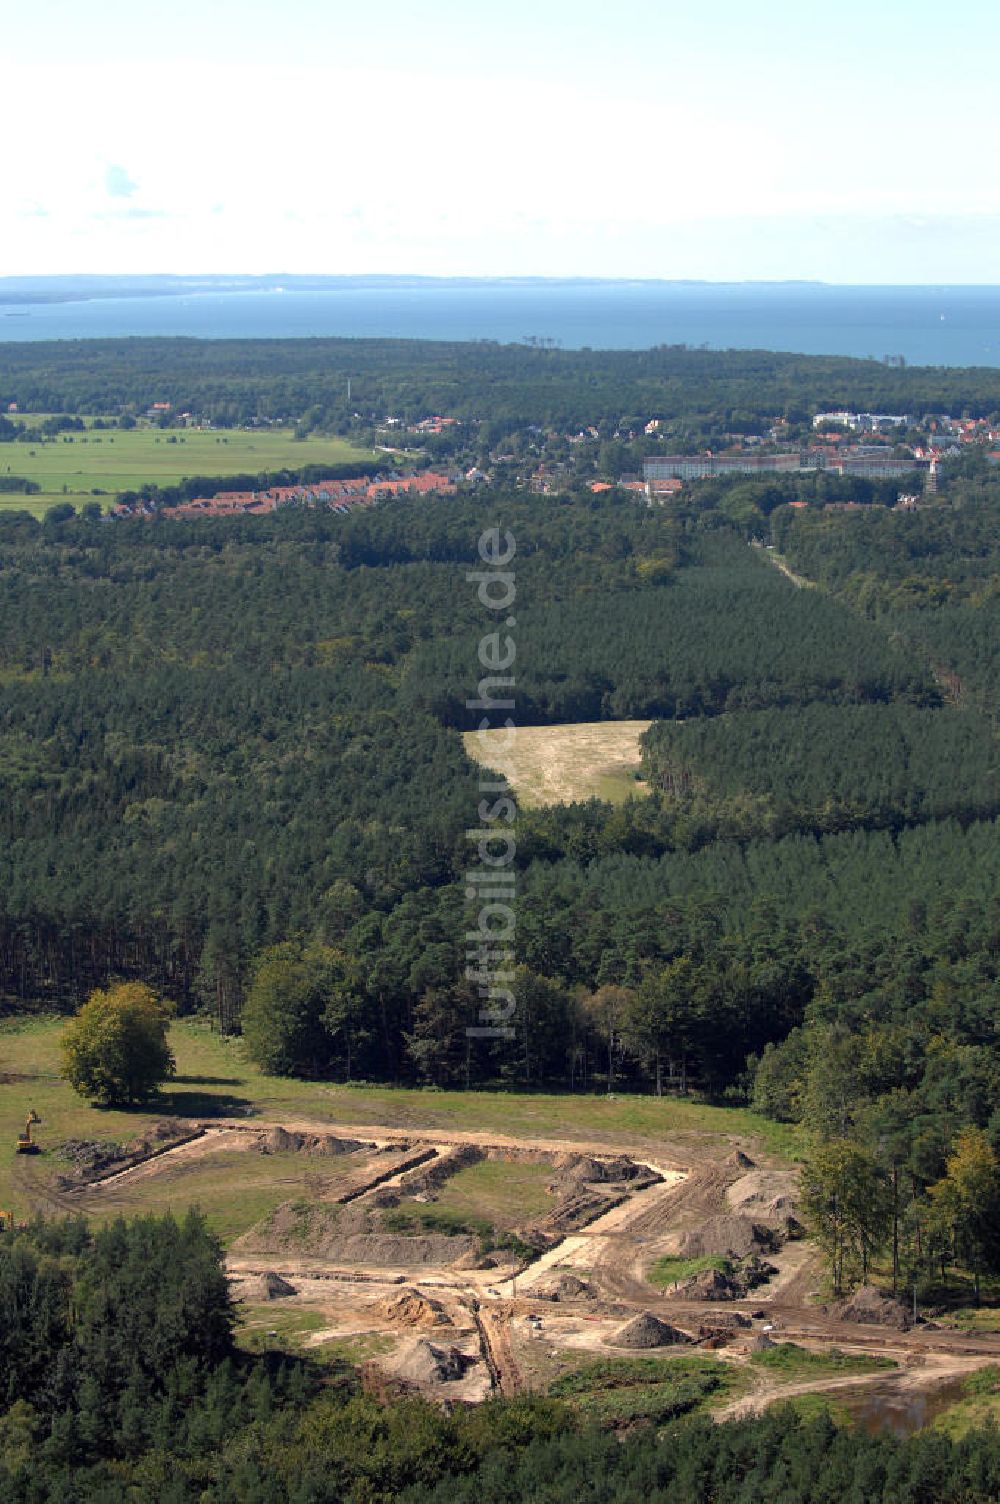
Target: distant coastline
933,325
83,287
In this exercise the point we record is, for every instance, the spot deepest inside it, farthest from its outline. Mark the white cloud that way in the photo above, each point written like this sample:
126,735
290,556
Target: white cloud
117,181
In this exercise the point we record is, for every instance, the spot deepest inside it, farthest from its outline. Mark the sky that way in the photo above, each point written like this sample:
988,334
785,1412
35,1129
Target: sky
651,138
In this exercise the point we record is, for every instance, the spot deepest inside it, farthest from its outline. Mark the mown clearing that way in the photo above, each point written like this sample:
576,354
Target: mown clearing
564,764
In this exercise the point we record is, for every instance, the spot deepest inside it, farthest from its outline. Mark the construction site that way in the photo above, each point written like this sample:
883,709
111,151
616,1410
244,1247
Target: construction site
461,1264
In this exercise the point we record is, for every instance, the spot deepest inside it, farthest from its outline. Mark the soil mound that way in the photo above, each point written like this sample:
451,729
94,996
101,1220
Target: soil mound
410,1308
709,1284
761,1343
869,1305
647,1330
476,1260
268,1286
574,1171
421,1362
720,1330
565,1287
769,1196
353,1234
278,1140
431,1176
734,1237
92,1158
324,1144
725,1321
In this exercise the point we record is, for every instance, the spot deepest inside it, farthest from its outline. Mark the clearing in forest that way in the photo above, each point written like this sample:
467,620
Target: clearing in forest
563,764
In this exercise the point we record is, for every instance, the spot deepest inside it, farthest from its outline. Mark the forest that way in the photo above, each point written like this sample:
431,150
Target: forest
231,768
507,386
219,738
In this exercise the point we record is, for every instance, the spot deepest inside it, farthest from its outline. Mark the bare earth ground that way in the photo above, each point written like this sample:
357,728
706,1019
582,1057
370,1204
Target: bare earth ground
458,1332
560,764
276,1194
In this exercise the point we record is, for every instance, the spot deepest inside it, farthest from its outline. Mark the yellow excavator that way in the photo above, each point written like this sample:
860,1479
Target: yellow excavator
25,1143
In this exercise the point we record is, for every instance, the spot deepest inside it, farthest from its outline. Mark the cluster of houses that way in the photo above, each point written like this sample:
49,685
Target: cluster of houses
337,495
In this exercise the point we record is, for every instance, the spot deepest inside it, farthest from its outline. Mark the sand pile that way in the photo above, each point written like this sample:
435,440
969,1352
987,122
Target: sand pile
647,1330
565,1287
710,1284
421,1362
410,1308
571,1172
769,1196
267,1286
476,1260
869,1305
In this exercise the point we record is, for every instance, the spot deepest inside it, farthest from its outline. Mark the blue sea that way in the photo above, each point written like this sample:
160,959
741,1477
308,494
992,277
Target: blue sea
958,326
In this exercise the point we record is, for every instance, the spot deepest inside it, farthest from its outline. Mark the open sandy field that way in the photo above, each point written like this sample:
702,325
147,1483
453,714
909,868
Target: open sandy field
563,764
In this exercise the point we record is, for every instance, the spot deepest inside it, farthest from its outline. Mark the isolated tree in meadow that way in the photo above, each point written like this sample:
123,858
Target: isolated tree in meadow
115,1050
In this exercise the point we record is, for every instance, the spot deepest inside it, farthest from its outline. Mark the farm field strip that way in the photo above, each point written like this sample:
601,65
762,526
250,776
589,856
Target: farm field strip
120,460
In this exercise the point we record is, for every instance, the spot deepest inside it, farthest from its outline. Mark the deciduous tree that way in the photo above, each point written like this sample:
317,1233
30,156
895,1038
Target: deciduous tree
116,1050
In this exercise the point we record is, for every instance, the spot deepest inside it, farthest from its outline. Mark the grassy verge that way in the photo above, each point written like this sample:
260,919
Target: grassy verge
790,1362
264,1327
975,1319
809,1407
671,1269
978,1408
624,1391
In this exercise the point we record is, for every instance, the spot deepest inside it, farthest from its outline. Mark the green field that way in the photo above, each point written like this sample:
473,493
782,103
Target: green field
71,467
788,1361
213,1076
498,1192
672,1269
